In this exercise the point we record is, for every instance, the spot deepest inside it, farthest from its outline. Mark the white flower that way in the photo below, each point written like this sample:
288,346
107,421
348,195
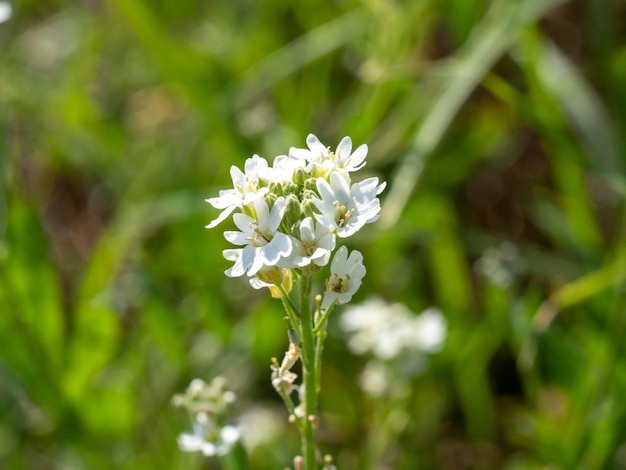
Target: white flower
264,246
322,162
315,245
345,209
208,438
387,329
246,188
346,276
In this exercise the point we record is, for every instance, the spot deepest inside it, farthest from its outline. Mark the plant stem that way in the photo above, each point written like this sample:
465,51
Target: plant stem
310,375
290,308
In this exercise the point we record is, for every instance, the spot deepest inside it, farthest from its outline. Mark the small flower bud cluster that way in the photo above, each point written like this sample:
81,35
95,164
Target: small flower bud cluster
208,405
292,214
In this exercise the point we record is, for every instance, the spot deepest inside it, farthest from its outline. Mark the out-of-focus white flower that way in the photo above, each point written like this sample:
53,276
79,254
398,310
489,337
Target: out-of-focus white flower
345,209
429,330
246,188
264,245
315,245
260,425
208,437
346,276
322,162
374,379
386,330
6,11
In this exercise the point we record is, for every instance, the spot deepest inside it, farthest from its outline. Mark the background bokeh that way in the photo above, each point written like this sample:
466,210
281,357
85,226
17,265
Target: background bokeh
499,127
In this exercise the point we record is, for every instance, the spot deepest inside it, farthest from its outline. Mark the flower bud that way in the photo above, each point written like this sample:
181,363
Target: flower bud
293,213
276,188
311,184
290,188
308,208
300,176
270,199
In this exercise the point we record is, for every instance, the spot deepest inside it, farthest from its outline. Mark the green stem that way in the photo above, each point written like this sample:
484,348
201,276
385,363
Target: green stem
291,310
319,347
310,375
290,406
322,322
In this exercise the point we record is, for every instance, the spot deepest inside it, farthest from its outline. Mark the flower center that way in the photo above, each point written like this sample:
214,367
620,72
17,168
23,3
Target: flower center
337,284
309,248
342,214
259,238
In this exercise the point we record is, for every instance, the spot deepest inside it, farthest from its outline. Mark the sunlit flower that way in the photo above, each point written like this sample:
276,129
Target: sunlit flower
345,209
264,246
246,188
346,276
208,437
321,161
315,245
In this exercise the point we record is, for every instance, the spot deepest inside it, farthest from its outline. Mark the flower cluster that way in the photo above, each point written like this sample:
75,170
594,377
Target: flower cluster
208,405
291,215
398,341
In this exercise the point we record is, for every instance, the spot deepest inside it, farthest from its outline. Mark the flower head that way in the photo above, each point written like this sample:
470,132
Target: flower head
346,276
315,245
345,209
247,188
321,161
264,245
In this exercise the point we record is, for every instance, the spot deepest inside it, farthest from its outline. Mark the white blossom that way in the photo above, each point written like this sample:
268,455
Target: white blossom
345,209
208,437
387,329
315,245
346,276
321,161
246,188
264,245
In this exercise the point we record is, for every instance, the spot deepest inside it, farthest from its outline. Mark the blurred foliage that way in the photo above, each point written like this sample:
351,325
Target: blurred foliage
498,126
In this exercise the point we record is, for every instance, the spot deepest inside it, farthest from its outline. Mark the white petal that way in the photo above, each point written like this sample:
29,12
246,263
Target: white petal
237,238
238,177
316,146
230,434
358,157
257,263
339,261
243,222
262,212
340,187
325,190
189,442
306,230
344,148
329,298
276,215
209,449
221,217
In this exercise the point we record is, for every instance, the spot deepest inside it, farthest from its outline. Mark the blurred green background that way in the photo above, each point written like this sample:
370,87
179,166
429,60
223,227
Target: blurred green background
499,127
